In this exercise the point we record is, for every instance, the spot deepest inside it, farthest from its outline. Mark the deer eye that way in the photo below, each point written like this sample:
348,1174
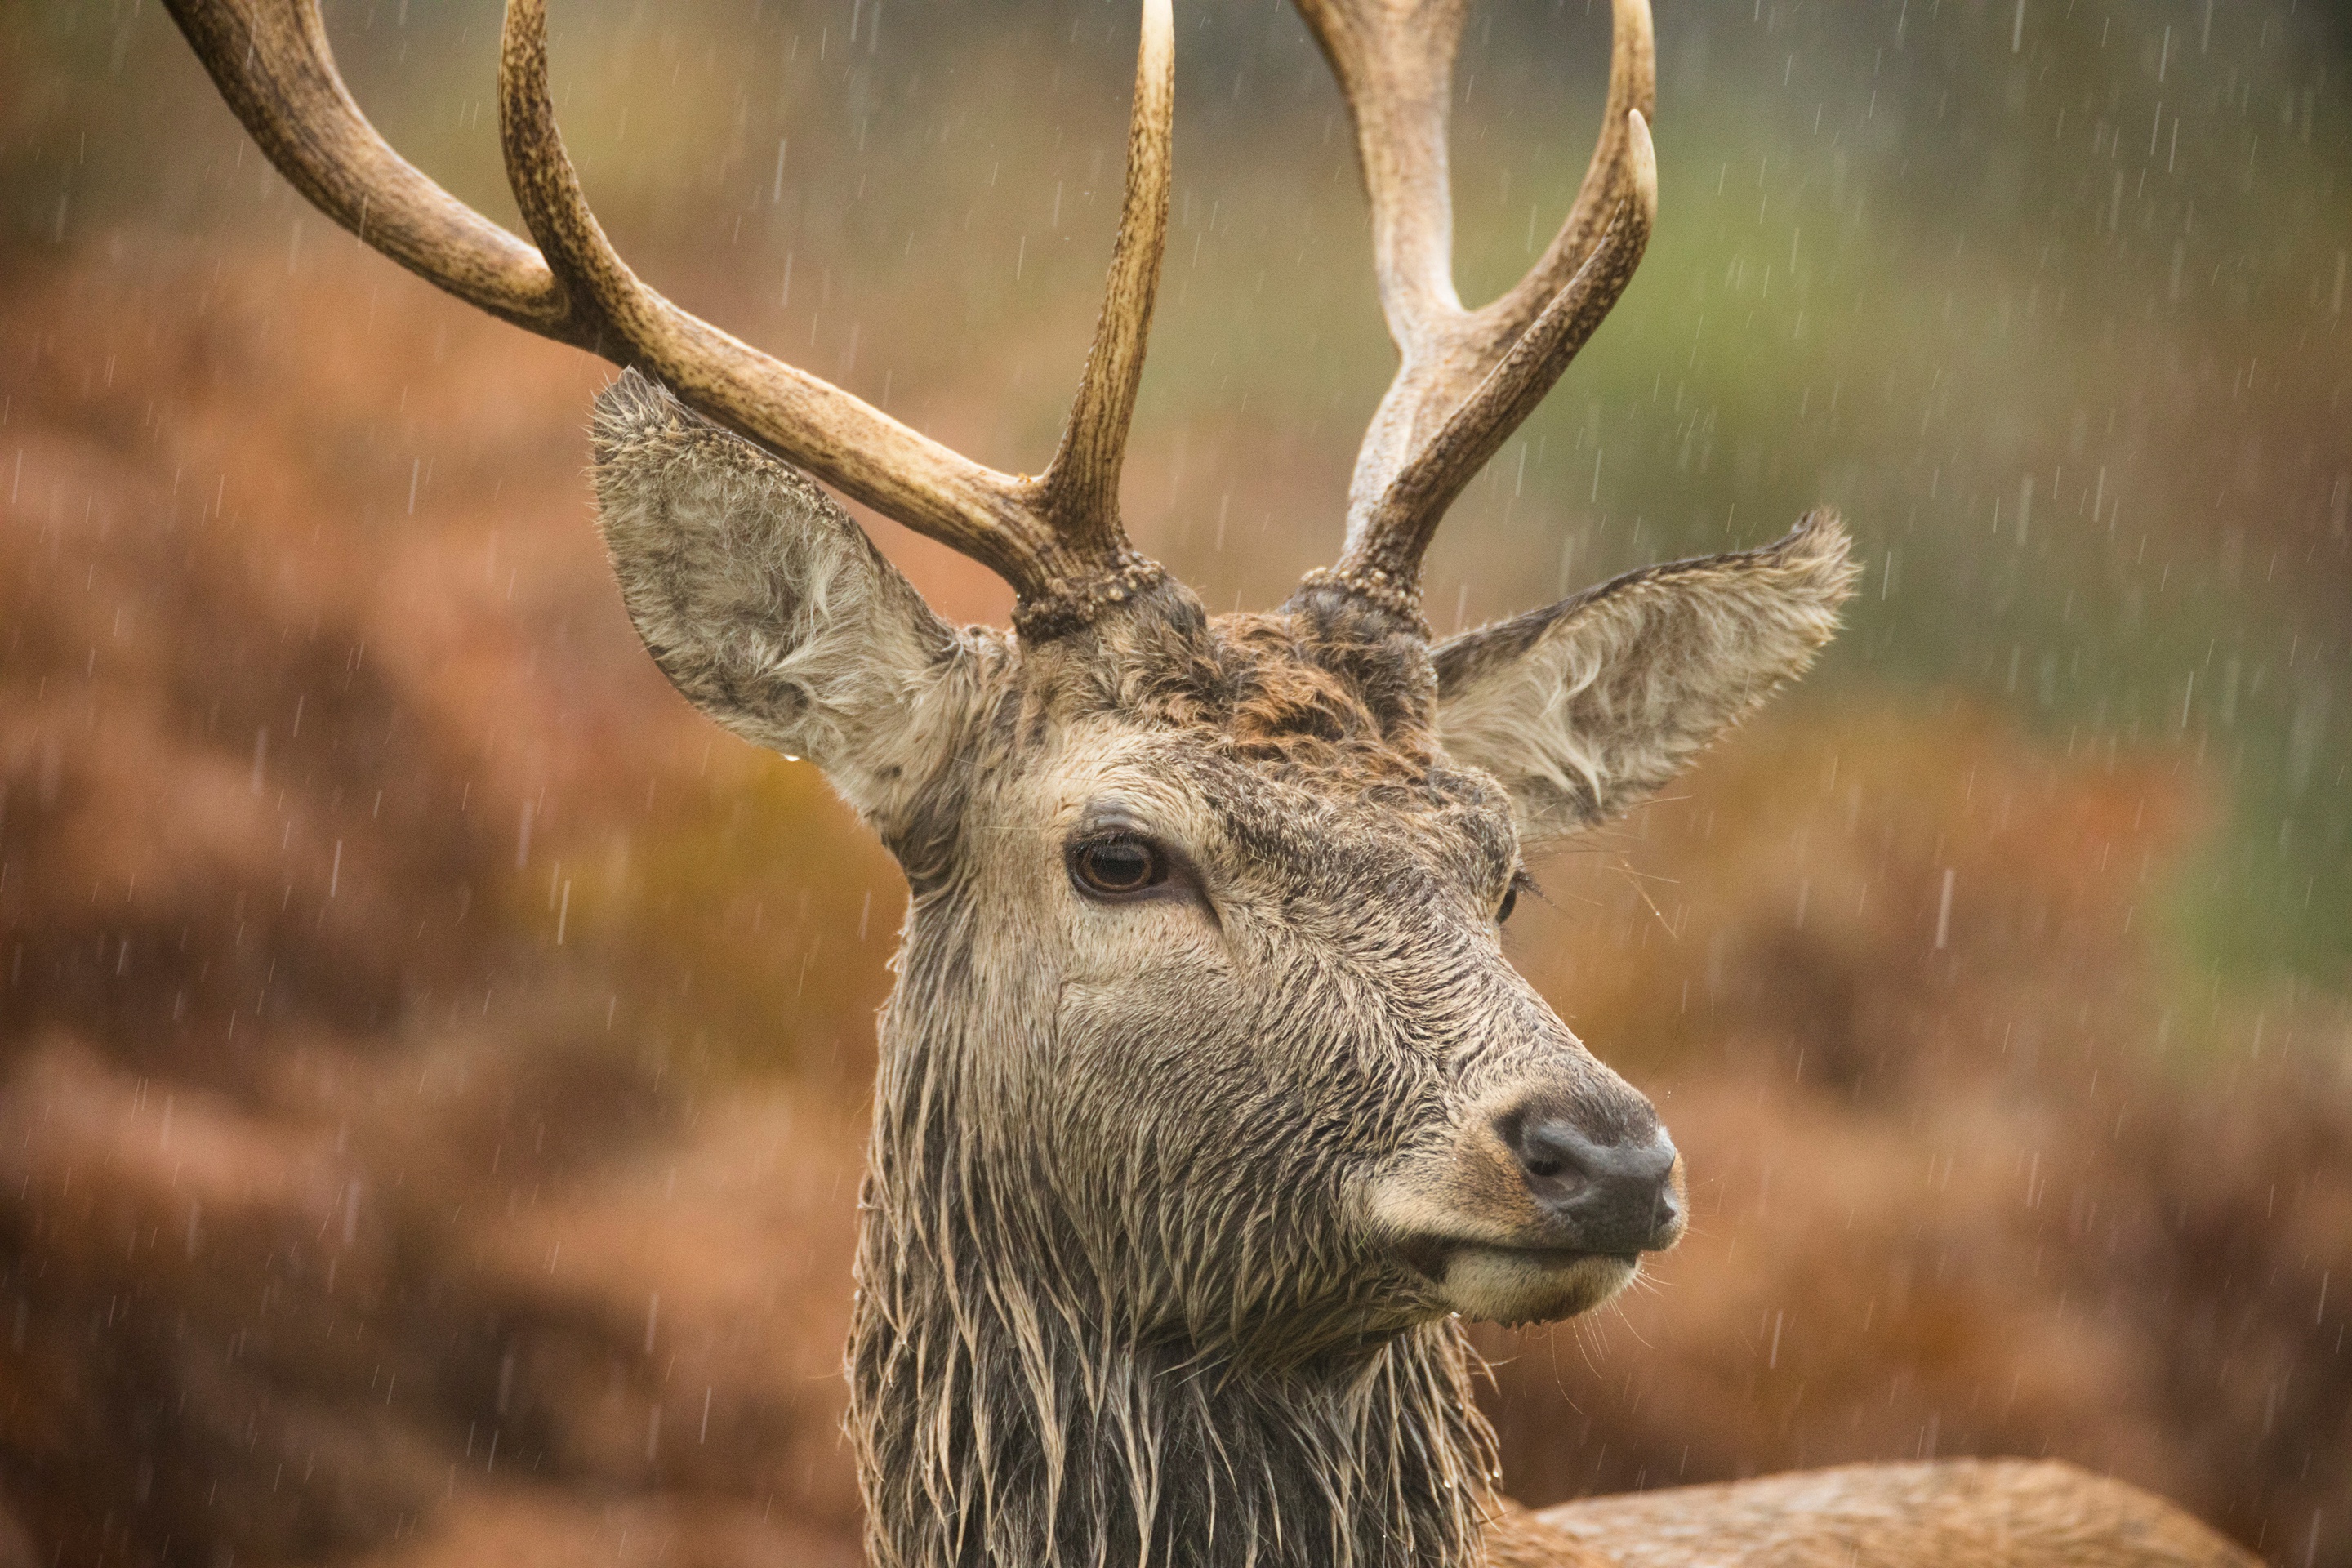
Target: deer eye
1519,879
1117,867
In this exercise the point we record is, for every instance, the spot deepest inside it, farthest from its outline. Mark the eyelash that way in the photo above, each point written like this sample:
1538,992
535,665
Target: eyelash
1520,883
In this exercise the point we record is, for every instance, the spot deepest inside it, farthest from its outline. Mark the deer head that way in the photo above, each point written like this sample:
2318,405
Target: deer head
1207,1096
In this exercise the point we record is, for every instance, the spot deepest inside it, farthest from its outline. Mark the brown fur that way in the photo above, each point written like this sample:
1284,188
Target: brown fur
2001,1513
1171,1203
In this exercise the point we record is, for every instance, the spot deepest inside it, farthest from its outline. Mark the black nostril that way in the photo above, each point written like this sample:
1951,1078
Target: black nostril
1610,1197
1555,1151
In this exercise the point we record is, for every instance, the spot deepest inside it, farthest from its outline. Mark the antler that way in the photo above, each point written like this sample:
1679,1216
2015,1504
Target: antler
1467,377
1056,538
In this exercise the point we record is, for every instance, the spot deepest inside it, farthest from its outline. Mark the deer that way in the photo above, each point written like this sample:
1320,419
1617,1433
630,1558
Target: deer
1208,1106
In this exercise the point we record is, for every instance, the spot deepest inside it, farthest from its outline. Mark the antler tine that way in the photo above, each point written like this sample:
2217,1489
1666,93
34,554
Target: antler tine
1081,485
1057,539
1633,89
1467,378
272,64
1386,542
835,435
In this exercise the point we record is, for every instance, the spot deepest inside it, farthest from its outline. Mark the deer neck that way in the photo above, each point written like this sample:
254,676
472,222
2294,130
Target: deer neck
1002,1417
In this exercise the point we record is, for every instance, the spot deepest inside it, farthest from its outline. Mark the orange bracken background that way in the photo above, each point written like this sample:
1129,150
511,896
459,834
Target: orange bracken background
433,1060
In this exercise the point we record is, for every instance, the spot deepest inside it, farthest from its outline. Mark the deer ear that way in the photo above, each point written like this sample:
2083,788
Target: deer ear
770,610
1585,708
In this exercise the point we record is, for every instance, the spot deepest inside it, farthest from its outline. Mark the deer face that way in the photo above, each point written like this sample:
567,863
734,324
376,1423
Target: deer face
1205,987
1268,1059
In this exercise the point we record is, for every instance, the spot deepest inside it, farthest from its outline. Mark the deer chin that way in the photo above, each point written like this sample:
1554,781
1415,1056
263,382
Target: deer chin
1489,1266
1514,1285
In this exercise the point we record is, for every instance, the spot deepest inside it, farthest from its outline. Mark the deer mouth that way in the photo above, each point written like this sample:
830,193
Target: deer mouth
1491,1282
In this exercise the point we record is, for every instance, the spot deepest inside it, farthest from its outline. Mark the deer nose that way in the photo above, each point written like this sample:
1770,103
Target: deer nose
1616,1198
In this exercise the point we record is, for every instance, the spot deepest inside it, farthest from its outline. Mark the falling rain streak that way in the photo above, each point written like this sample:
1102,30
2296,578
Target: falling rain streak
438,1060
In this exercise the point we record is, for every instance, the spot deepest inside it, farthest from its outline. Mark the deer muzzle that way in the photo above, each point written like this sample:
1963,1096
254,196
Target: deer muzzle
1617,1199
1541,1206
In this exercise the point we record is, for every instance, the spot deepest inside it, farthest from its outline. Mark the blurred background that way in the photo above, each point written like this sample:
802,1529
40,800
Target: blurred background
433,1062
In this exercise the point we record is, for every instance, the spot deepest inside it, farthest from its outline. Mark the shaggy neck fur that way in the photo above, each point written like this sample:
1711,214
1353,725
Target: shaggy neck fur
1007,1413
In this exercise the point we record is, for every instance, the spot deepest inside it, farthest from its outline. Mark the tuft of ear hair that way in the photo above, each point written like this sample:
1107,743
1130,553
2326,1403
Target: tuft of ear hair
766,607
1587,706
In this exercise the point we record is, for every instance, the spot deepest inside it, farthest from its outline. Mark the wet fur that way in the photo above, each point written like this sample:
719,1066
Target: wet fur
1122,1295
1087,1331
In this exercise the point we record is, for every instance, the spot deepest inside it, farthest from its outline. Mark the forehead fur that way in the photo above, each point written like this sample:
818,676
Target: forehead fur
1314,692
1308,741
